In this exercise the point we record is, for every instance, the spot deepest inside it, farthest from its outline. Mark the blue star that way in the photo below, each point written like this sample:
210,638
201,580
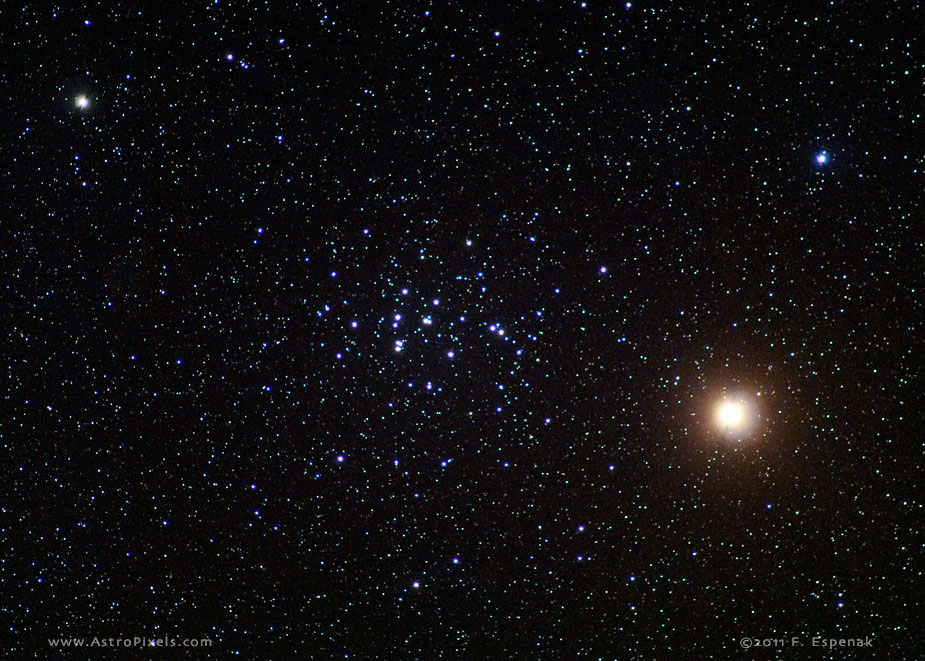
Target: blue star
822,158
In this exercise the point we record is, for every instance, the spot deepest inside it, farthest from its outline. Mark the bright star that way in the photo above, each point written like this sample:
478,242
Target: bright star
731,414
81,101
736,416
822,158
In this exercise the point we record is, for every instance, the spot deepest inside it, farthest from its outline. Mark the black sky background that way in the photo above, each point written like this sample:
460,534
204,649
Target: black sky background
197,442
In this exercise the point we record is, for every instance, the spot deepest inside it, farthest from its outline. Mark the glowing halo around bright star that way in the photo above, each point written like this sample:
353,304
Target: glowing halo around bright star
822,158
82,102
736,417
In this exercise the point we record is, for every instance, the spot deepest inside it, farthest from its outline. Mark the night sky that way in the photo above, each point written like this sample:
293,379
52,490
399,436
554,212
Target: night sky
462,330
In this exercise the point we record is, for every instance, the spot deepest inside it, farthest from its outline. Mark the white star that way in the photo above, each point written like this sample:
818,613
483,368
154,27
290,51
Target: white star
81,101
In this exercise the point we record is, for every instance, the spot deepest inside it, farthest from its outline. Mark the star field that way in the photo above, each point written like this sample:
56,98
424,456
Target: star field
512,330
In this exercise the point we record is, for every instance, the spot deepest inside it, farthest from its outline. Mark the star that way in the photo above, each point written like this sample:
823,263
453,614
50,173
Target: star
822,158
735,416
82,102
731,414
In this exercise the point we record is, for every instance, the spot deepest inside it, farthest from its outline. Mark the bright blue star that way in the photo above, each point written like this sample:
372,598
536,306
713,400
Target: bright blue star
822,158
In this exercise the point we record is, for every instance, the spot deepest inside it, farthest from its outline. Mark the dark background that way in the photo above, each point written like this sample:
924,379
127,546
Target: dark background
196,441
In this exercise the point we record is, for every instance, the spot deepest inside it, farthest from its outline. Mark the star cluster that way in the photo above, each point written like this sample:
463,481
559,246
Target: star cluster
398,330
